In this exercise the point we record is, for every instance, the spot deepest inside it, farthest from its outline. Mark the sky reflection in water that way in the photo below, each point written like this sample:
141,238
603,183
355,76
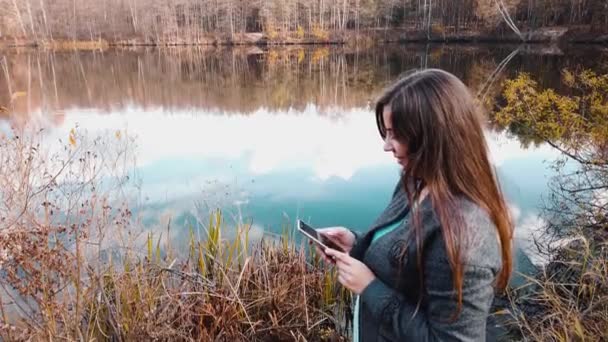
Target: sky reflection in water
271,167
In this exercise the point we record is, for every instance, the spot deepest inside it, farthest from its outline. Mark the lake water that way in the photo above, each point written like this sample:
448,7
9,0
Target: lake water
272,135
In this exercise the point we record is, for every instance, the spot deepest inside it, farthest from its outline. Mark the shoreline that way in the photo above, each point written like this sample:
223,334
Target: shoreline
374,37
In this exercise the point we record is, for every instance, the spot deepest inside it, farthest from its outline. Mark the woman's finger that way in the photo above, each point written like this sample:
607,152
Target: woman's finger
335,238
333,235
342,267
345,258
320,252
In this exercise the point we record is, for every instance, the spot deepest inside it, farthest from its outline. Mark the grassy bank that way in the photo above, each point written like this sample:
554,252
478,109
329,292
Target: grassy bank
228,290
76,264
568,299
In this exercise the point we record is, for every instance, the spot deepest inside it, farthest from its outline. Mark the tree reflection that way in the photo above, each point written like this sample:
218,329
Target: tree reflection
240,80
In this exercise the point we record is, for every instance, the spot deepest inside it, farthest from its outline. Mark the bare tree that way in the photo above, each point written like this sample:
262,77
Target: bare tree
193,20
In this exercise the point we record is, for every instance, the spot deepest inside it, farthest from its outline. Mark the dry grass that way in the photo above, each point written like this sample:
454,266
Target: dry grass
73,265
568,300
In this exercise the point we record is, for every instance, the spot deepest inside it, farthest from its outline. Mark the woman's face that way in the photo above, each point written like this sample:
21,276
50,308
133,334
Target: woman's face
391,144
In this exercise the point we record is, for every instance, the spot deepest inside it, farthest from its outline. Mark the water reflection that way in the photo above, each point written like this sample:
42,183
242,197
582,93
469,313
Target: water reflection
268,135
246,79
272,167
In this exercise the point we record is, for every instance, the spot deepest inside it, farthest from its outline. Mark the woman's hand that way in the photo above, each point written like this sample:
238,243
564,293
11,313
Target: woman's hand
341,236
352,273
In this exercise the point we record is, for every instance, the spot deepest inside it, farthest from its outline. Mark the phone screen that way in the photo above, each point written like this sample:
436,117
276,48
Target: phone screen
318,238
310,232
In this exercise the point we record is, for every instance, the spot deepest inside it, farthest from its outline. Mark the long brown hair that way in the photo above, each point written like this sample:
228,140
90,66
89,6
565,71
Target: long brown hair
440,123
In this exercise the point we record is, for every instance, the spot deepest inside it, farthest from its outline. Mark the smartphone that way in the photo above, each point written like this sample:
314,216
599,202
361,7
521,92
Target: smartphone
318,238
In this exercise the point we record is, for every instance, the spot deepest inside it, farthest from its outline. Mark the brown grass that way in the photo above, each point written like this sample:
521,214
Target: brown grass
568,300
73,266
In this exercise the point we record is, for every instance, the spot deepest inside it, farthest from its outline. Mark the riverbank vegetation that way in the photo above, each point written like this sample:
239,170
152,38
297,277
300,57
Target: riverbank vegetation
76,264
568,299
152,22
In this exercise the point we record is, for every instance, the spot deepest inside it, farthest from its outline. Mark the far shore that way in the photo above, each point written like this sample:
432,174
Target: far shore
370,37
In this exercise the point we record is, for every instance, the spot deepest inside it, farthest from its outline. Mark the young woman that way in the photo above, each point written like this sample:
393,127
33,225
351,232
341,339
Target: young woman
428,267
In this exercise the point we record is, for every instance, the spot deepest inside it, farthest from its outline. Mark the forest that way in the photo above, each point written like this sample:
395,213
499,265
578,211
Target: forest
158,22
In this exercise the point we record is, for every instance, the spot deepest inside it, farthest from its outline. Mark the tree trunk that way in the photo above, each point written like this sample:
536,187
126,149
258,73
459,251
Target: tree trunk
230,15
29,12
428,23
19,19
321,14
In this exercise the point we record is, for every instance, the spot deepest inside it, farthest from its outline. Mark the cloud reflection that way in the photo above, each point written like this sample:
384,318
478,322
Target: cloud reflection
337,143
292,159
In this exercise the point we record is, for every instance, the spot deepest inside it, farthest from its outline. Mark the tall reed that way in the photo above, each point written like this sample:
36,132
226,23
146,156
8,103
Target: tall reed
76,264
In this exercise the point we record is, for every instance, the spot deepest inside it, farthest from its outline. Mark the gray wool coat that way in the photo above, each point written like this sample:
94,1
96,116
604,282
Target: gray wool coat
394,308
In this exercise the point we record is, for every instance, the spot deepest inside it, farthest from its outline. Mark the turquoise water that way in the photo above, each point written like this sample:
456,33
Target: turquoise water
339,175
271,141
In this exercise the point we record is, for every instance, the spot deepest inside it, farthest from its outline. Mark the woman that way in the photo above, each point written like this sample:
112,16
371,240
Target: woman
428,267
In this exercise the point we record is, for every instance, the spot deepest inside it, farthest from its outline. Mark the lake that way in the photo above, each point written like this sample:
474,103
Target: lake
270,135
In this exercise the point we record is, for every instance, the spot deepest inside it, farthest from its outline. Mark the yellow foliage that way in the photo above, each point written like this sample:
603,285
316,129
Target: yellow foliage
573,120
273,57
438,29
300,32
319,33
568,78
271,32
320,54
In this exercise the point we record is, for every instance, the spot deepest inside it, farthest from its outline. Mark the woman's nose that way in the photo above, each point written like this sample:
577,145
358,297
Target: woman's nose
388,147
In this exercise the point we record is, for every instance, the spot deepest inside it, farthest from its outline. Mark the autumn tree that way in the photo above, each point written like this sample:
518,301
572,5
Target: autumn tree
192,20
572,290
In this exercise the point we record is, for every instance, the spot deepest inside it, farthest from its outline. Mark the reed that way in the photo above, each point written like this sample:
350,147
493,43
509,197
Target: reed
72,266
568,299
